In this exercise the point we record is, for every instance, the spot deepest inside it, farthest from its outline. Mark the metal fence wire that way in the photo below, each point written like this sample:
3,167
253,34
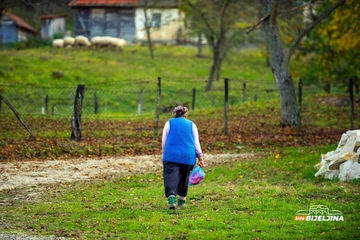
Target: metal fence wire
124,100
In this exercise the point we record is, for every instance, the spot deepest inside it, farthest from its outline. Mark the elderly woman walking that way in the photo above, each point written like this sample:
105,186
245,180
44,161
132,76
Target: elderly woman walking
180,148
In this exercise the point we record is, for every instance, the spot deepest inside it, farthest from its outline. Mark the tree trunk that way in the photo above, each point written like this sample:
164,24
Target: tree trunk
217,50
214,68
218,70
280,60
149,42
147,25
281,71
199,45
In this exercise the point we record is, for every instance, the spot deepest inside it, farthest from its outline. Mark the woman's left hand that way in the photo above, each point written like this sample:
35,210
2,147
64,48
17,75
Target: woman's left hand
201,161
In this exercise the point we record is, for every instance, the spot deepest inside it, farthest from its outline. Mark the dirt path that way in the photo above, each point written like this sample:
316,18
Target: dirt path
14,175
34,177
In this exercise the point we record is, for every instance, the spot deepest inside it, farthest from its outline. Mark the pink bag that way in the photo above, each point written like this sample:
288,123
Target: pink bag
196,176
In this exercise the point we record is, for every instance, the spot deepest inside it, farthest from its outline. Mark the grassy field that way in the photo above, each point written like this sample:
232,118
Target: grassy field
26,78
89,66
118,79
245,199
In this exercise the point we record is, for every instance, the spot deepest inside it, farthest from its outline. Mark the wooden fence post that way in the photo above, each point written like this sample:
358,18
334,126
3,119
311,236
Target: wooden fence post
158,106
96,103
226,99
244,92
76,118
193,99
53,110
46,104
356,84
351,90
140,101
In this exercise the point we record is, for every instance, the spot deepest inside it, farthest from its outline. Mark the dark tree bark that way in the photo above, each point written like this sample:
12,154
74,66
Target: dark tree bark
280,58
147,25
215,33
218,47
280,68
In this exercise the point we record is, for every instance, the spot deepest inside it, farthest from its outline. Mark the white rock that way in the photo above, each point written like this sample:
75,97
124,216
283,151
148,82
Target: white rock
343,162
350,170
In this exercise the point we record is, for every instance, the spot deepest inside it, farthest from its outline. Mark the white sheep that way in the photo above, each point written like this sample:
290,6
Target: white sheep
106,41
96,41
69,41
117,43
82,41
58,43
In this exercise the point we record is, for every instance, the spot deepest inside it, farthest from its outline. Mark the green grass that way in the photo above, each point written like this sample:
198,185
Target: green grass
35,66
118,77
246,199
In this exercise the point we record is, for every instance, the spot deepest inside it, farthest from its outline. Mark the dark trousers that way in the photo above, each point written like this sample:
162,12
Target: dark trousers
176,178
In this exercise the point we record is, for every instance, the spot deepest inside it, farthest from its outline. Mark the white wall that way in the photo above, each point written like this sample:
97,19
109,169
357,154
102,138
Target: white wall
171,22
56,25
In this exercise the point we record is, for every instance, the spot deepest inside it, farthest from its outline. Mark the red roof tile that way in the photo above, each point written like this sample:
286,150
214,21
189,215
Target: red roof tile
123,3
74,3
20,22
52,16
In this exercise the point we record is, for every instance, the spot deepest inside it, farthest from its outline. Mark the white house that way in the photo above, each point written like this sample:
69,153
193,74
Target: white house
126,19
51,25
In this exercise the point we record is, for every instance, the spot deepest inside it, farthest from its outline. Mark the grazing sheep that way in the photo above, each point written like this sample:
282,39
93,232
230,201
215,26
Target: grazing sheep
109,42
117,43
82,41
69,41
58,43
106,41
96,41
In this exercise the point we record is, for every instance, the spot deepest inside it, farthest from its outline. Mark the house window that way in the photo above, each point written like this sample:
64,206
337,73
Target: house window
156,20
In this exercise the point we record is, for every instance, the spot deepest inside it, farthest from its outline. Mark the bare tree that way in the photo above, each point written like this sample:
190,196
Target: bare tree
217,20
147,26
154,19
280,56
6,4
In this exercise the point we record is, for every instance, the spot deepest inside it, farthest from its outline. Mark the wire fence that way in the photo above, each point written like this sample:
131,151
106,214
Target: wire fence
48,109
130,97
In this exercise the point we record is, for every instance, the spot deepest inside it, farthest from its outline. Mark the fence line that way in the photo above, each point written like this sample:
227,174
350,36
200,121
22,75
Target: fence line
143,98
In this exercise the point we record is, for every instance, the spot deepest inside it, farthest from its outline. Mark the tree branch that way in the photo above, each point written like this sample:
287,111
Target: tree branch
17,116
256,24
297,40
273,12
222,19
279,12
202,15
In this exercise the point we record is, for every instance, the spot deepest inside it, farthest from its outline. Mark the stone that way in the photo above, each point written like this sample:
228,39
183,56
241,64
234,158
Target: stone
344,162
